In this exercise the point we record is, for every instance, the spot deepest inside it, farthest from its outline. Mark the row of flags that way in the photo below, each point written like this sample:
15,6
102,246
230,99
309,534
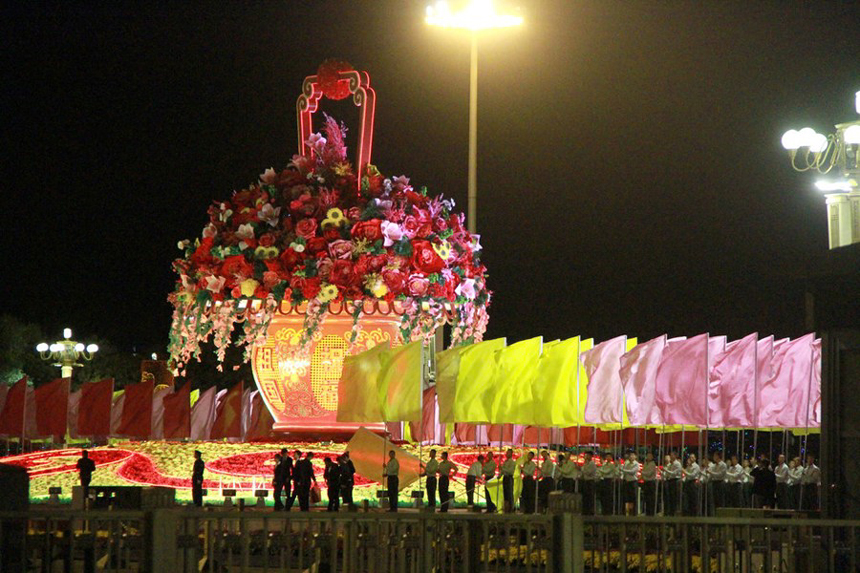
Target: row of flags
667,383
140,411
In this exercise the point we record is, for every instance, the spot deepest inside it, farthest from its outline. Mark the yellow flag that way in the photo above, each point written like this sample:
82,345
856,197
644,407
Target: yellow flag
358,389
555,385
582,382
474,392
401,382
516,369
447,367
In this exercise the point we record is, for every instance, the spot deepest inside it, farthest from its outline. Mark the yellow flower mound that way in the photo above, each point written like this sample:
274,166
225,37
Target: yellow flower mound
334,218
249,286
327,293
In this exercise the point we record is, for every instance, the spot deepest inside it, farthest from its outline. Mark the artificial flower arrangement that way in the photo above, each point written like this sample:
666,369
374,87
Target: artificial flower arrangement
314,235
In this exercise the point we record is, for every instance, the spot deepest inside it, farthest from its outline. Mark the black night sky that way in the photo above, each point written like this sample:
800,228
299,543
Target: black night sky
631,178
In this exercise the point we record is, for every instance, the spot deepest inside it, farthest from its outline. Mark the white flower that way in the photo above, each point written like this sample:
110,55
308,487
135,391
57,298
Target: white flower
209,231
215,284
269,214
268,176
246,231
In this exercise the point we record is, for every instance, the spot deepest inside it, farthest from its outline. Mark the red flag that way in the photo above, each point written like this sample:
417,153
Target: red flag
428,418
94,408
228,419
177,413
12,418
137,411
465,432
260,427
52,408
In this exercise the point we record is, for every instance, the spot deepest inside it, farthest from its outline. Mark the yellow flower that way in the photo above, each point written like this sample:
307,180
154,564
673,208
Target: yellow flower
266,252
334,217
375,285
443,250
342,169
327,293
249,286
360,246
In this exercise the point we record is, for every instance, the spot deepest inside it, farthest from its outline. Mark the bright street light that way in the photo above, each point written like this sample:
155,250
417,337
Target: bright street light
66,353
474,16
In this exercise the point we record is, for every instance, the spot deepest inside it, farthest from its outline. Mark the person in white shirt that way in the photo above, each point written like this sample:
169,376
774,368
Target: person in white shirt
507,470
547,480
489,472
649,484
430,470
795,473
446,468
691,474
391,472
587,483
717,472
529,492
781,471
608,473
734,487
810,481
747,482
472,477
671,484
630,475
569,473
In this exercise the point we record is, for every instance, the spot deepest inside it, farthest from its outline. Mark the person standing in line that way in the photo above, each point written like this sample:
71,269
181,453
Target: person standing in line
560,461
630,476
649,484
607,472
588,482
717,472
431,468
278,482
196,478
332,481
672,474
569,474
547,481
691,474
86,467
294,468
347,479
747,483
391,471
489,471
764,485
472,476
781,472
529,493
810,481
706,494
795,474
286,475
507,470
446,469
734,485
306,478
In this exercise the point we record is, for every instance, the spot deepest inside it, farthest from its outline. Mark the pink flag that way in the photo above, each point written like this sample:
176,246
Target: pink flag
74,404
117,405
716,345
203,415
681,382
732,385
638,369
815,390
784,397
158,396
602,363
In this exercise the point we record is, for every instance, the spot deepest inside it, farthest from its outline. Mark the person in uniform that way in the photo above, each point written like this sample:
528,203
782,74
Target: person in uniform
809,483
734,483
507,470
196,478
588,482
795,474
472,476
294,464
332,481
630,476
430,470
489,472
691,474
717,472
286,476
446,469
747,483
305,478
391,471
86,467
672,474
781,472
347,479
569,474
547,480
649,484
608,473
706,494
529,493
278,482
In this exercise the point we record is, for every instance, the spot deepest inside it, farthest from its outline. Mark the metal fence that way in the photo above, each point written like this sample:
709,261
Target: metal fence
190,540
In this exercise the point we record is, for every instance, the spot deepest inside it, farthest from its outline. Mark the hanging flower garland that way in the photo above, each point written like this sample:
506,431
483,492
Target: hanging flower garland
310,235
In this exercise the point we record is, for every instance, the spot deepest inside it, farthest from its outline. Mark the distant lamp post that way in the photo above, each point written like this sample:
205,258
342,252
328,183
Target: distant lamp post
474,16
813,151
66,353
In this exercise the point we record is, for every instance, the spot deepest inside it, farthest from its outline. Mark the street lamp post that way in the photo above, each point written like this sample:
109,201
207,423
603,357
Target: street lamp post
812,151
66,353
475,16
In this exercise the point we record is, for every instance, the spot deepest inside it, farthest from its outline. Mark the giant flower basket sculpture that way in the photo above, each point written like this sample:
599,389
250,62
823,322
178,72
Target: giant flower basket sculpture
321,260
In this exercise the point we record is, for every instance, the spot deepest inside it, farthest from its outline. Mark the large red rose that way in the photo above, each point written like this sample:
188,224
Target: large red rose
340,249
342,273
370,230
306,228
425,259
394,280
312,287
237,265
418,285
317,245
203,253
290,258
